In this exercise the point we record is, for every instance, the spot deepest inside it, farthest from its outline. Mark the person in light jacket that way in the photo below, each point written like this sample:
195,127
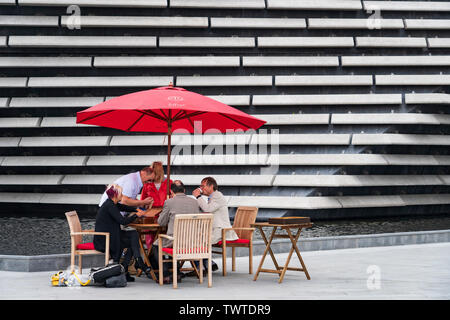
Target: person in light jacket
217,205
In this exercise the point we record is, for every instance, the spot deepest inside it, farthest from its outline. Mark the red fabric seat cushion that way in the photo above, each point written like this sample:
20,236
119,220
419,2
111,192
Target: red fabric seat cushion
235,241
86,246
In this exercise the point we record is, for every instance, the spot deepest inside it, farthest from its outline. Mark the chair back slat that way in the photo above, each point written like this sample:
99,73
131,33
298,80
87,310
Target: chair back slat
74,225
192,235
243,218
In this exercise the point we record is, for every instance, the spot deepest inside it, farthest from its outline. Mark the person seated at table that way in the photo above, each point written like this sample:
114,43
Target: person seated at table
217,205
157,190
109,219
180,203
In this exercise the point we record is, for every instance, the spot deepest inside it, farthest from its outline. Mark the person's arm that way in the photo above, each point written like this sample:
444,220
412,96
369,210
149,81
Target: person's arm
163,219
212,206
135,202
114,211
123,207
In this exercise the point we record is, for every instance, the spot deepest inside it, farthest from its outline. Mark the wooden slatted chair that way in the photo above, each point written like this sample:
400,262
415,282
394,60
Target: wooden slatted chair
191,241
244,217
81,249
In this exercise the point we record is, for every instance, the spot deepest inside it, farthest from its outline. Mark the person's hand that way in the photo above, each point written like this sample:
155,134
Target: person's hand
140,212
148,202
196,192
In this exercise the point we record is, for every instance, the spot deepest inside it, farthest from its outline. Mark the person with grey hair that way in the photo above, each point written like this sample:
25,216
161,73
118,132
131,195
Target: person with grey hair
109,219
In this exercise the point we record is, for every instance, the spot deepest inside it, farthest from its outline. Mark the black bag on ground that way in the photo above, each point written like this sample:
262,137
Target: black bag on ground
100,275
116,281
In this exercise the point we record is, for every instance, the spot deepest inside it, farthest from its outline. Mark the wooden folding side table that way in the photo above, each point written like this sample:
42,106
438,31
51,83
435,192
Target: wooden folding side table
293,237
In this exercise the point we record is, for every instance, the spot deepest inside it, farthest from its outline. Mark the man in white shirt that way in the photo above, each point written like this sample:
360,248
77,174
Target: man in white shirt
132,184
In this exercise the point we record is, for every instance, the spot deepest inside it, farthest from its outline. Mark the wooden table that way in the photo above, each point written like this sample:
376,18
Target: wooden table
293,237
142,229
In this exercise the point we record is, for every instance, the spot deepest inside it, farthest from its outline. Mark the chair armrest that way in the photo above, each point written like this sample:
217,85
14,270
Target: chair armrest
166,236
88,230
248,229
89,233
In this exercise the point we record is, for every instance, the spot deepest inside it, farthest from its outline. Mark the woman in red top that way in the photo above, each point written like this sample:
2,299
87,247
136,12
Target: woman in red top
157,190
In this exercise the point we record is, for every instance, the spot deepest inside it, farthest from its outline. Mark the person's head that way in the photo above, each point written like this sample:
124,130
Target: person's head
208,185
177,187
147,174
158,169
114,192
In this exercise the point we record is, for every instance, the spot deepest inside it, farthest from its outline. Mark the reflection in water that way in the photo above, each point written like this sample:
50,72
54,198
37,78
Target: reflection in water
40,236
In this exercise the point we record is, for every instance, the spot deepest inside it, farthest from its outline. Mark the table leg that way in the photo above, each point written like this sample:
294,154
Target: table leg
146,260
294,245
268,249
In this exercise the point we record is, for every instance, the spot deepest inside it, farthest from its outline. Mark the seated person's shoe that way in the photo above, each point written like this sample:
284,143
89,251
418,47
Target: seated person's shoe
129,278
139,264
214,266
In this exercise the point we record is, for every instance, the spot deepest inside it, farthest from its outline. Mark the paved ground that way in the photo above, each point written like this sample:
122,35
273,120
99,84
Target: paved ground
394,272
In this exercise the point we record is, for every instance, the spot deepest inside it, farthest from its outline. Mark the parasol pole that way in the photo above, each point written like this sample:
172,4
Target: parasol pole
169,142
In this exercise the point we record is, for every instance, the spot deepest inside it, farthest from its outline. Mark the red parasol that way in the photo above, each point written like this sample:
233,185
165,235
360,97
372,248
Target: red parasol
166,109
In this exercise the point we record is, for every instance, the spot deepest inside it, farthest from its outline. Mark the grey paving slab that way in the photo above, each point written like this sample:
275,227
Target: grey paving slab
19,122
339,23
44,62
327,99
211,4
387,118
131,140
427,24
3,102
302,139
291,119
314,4
219,81
427,98
97,3
137,22
9,141
61,122
167,62
44,161
411,160
202,42
327,159
426,199
417,79
131,160
13,82
299,42
77,82
290,61
3,41
82,41
314,80
16,197
72,198
65,141
406,5
356,180
395,60
228,180
258,23
371,201
89,179
31,179
29,21
55,101
220,160
439,42
393,42
400,139
306,203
